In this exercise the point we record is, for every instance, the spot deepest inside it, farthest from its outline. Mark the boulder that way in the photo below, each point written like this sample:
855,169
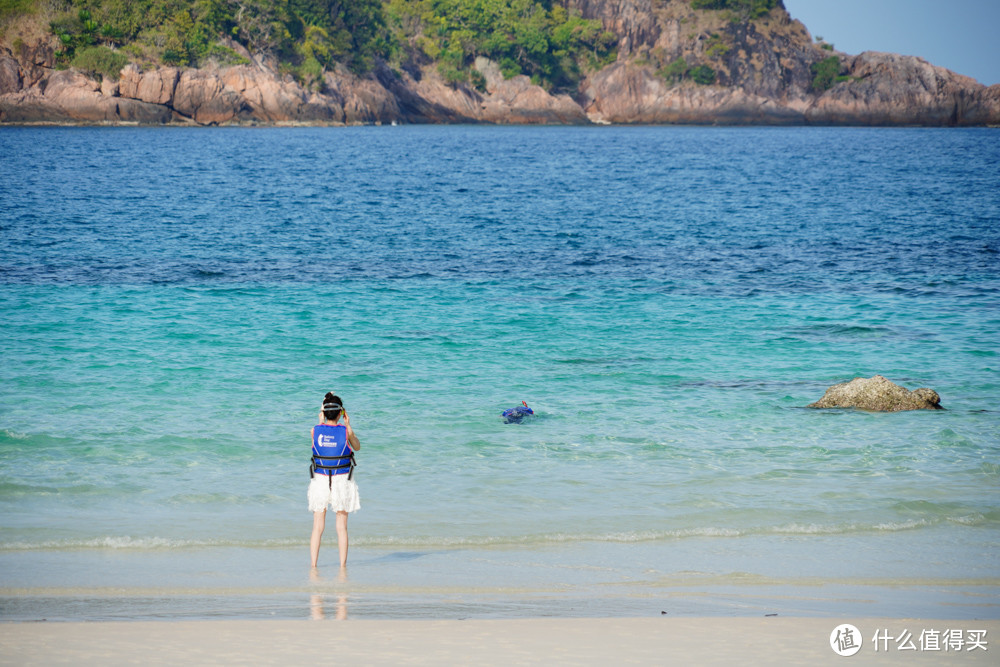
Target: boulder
878,395
202,96
155,86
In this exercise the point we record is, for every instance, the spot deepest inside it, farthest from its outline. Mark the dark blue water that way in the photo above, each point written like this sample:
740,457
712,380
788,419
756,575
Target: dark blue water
733,210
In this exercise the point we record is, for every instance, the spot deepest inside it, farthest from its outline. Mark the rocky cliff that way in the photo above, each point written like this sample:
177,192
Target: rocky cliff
761,72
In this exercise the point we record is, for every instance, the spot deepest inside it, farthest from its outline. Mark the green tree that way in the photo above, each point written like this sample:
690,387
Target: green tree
702,74
675,71
825,73
100,60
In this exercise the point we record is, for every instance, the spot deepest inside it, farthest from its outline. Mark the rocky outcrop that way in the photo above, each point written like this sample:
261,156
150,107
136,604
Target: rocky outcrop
517,100
362,99
11,79
889,89
69,96
878,395
252,94
761,74
623,93
230,95
635,22
154,87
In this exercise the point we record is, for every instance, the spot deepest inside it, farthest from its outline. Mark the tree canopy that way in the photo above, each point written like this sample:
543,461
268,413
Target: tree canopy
306,37
544,41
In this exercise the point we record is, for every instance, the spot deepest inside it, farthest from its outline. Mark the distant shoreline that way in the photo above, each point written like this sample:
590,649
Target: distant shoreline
680,62
307,125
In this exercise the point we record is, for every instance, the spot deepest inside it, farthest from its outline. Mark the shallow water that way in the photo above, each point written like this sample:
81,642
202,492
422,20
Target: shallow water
176,302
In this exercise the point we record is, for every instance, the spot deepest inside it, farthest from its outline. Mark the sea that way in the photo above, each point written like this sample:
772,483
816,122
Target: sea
175,302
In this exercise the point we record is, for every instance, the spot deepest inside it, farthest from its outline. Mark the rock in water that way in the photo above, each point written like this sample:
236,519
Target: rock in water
879,395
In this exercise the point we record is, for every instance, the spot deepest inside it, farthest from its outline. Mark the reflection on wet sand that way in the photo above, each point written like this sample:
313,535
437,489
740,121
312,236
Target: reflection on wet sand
317,601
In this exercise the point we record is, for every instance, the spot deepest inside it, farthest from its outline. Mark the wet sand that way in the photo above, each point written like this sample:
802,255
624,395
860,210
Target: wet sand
698,641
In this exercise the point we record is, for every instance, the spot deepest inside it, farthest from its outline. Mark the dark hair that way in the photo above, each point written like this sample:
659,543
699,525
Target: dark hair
332,406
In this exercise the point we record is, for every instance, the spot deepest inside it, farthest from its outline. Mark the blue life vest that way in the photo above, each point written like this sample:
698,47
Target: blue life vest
331,455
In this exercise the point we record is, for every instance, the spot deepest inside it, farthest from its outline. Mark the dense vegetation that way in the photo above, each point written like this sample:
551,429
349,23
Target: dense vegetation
826,73
540,39
678,70
307,37
740,10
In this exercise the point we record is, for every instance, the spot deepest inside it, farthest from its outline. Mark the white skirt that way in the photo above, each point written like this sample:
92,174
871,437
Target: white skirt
340,496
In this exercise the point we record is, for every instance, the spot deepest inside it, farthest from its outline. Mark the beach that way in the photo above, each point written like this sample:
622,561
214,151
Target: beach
529,641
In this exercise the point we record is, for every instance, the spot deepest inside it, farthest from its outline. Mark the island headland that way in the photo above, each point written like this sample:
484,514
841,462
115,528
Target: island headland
734,62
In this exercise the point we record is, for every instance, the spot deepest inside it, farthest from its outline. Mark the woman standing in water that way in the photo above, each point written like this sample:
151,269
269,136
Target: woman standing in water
332,472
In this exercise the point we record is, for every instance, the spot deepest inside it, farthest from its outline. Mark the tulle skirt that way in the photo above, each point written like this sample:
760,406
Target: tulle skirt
341,495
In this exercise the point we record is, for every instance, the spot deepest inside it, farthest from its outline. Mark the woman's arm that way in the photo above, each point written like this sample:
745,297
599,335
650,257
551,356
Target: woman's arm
352,439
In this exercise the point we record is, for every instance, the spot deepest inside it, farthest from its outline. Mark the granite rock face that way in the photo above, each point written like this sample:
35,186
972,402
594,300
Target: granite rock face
890,89
11,79
623,93
69,96
762,75
517,100
155,87
877,394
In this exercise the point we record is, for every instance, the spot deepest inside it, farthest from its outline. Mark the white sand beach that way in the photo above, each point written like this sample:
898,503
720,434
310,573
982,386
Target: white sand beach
684,641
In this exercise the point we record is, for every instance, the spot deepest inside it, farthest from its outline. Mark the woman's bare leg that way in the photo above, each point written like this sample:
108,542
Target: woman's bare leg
342,537
319,523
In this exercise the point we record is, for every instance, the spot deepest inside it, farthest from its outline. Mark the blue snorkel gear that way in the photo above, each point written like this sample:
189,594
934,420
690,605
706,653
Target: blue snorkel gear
517,414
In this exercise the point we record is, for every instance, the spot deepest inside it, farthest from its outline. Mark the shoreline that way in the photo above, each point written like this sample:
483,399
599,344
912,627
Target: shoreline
508,582
708,123
706,641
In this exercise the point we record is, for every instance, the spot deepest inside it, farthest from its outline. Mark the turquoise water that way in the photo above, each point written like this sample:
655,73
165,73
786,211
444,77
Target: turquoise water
176,302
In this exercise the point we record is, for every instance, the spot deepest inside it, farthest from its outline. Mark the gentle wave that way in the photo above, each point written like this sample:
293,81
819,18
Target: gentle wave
486,541
142,543
664,535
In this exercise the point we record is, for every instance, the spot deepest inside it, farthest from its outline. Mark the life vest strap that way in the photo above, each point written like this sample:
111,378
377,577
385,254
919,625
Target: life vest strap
317,466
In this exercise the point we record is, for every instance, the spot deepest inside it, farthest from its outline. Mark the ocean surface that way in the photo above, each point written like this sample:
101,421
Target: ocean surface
174,303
